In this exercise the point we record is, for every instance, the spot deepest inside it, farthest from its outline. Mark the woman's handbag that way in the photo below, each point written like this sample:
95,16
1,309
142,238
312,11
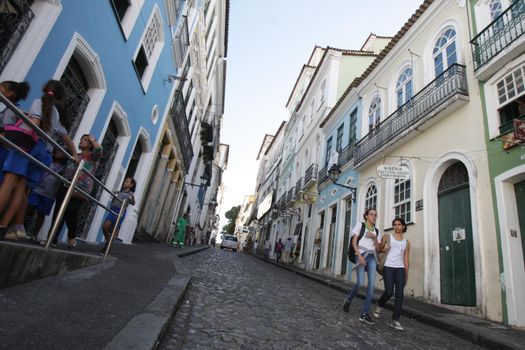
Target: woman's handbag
381,256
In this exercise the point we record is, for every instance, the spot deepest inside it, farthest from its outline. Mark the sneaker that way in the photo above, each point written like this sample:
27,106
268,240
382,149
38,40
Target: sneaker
397,325
377,311
22,234
346,305
366,318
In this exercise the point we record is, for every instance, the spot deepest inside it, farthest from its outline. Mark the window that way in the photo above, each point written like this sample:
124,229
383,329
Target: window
352,137
371,198
495,8
181,42
510,91
402,199
322,93
328,151
404,87
120,7
149,50
339,139
374,113
444,53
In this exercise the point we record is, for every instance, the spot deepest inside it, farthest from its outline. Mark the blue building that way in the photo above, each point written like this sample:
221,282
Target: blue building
119,60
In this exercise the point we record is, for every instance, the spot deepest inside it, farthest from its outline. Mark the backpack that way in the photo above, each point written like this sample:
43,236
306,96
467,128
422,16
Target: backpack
351,250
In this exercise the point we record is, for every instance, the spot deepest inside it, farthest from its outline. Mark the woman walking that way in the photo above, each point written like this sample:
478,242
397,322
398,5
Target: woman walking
395,272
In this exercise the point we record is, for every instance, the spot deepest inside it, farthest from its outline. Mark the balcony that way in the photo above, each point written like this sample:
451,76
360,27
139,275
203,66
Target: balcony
446,92
15,17
500,35
290,196
311,175
322,175
180,121
346,154
298,186
181,42
507,127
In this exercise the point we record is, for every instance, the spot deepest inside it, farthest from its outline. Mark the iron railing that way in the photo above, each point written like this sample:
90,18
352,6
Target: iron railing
15,17
181,42
298,186
499,34
450,83
322,175
180,121
310,174
509,126
290,196
346,154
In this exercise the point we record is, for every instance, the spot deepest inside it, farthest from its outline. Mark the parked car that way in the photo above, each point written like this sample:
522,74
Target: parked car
230,242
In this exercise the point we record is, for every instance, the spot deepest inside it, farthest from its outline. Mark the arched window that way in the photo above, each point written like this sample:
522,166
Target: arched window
444,53
404,87
374,113
77,100
371,197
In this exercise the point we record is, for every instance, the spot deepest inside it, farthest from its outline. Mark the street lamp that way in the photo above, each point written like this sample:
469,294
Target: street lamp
334,173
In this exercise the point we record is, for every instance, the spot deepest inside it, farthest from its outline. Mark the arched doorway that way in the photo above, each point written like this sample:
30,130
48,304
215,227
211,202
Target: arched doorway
458,282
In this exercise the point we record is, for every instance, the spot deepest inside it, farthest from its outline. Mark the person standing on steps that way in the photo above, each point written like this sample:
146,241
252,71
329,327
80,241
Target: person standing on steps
365,240
395,272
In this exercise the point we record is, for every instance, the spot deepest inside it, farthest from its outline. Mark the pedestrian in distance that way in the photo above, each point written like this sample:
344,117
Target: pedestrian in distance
288,246
267,250
255,247
127,193
279,246
395,272
366,243
178,238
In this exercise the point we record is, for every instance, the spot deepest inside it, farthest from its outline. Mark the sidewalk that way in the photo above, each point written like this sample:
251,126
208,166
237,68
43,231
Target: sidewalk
125,302
491,334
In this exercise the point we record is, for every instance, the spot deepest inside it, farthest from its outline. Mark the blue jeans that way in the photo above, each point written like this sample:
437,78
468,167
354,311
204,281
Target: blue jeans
393,277
371,272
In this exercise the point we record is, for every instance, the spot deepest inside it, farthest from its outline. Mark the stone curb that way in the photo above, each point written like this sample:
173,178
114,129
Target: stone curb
478,335
146,330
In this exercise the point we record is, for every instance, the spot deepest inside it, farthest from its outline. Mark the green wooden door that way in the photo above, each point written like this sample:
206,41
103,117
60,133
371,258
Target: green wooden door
458,285
458,282
519,188
346,239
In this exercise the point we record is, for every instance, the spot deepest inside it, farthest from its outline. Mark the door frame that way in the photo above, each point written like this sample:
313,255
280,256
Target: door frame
514,274
432,268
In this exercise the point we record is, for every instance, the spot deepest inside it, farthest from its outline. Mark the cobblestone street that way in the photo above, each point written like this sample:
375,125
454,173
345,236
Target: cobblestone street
236,301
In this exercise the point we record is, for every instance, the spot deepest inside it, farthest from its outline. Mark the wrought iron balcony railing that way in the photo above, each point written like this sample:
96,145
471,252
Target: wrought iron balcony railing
15,17
290,195
499,34
509,126
181,42
450,83
322,175
311,174
180,121
346,154
298,186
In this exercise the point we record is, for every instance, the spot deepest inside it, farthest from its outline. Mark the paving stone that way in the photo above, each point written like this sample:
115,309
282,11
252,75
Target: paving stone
238,302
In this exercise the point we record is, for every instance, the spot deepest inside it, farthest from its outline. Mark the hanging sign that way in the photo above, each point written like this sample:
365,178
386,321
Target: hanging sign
458,234
393,172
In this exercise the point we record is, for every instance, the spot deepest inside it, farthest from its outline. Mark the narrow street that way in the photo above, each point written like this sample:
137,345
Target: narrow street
236,301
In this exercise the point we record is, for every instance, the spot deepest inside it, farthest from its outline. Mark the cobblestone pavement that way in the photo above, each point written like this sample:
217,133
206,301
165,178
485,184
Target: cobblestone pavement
236,301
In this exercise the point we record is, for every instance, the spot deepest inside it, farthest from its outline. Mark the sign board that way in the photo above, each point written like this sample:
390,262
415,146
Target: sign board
458,234
419,205
265,205
393,172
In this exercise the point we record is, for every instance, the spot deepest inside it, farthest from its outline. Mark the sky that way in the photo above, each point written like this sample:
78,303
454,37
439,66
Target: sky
268,43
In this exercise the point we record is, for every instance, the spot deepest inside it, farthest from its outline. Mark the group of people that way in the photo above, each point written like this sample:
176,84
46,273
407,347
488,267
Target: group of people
367,242
282,250
26,187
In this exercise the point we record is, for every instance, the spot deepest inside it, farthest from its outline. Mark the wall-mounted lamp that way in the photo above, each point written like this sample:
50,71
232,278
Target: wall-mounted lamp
172,78
334,173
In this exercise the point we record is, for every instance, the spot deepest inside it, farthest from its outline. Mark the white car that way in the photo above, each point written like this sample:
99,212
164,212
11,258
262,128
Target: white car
229,241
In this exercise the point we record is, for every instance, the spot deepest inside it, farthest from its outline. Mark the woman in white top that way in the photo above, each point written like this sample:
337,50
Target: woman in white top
395,272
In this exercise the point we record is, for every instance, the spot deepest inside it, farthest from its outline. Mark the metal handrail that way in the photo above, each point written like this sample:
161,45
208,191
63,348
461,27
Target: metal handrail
71,184
28,121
